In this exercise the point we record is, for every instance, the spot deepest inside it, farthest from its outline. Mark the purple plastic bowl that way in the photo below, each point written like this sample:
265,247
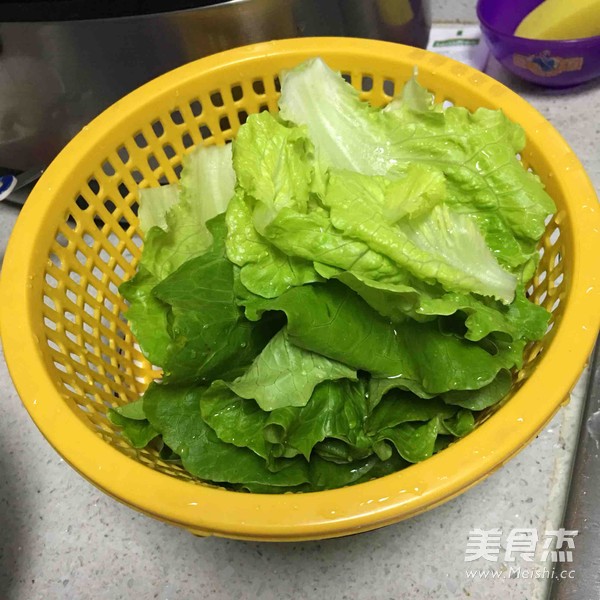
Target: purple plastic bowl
559,63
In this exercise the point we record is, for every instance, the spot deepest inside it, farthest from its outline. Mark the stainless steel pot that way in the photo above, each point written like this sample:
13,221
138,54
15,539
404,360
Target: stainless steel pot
57,73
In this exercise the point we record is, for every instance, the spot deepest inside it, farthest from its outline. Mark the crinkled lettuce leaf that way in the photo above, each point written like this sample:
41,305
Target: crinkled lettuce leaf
477,152
174,221
264,269
284,374
206,187
461,424
154,204
131,419
336,410
333,321
147,316
482,398
175,412
404,407
440,245
339,292
210,337
273,172
413,441
196,331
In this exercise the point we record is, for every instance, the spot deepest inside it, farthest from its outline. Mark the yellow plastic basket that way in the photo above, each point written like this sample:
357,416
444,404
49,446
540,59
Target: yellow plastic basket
71,354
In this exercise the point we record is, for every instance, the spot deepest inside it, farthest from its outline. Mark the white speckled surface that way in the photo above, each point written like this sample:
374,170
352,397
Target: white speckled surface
454,11
62,538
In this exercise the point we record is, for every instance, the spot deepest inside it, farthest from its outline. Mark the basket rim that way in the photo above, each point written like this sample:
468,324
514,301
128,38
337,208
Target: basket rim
330,513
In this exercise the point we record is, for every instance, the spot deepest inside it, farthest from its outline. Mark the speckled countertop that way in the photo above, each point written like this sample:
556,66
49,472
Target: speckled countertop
62,538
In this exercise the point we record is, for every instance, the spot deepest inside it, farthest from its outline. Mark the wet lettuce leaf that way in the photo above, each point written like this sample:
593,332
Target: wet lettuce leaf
476,151
333,321
285,375
195,331
336,410
175,412
131,419
338,293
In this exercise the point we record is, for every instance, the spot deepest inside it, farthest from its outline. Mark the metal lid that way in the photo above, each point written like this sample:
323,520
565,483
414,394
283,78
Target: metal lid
73,10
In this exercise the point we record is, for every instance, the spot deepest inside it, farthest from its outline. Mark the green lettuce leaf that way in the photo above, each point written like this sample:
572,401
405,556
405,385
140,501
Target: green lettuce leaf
175,412
414,442
340,452
346,133
441,245
206,187
274,171
382,468
520,319
234,419
327,475
154,204
483,398
403,407
211,338
475,151
207,182
135,428
393,291
313,237
173,219
336,410
147,317
475,399
285,375
274,165
333,321
189,323
265,270
462,423
133,410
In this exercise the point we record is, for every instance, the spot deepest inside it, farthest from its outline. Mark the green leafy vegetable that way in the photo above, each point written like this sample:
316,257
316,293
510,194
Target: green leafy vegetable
414,442
482,398
155,203
342,327
336,410
195,331
175,412
285,375
273,173
207,184
475,151
460,424
264,269
133,423
338,293
403,407
440,245
147,316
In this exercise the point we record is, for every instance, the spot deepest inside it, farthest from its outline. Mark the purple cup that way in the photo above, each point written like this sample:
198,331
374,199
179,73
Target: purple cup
551,63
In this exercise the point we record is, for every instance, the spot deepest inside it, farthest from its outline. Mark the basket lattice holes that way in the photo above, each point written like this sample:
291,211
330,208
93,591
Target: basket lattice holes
94,358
